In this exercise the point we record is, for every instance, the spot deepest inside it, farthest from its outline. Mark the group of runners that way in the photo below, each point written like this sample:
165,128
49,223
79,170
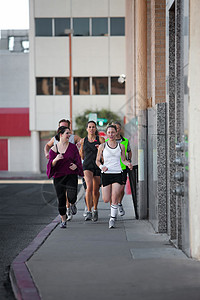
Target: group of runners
100,162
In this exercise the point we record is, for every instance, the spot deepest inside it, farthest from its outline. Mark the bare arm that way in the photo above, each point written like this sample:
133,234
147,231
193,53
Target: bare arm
124,161
101,140
98,159
77,139
47,147
129,155
81,149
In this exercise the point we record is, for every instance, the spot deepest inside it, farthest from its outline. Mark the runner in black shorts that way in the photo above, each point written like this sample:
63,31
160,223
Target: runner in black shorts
124,176
111,170
122,140
88,152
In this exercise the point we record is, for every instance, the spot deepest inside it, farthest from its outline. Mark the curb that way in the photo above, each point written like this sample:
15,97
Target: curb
21,281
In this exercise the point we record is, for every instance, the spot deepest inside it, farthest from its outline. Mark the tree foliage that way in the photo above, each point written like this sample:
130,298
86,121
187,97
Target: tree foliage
81,120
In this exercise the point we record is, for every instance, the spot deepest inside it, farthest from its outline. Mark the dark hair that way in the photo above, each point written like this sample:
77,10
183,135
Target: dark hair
91,121
64,120
60,131
111,126
117,123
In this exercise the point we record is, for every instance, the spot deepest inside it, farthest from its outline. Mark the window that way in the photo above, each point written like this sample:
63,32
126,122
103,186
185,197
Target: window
81,26
25,46
99,26
116,87
60,25
43,27
18,44
81,86
100,86
117,26
11,41
62,86
44,86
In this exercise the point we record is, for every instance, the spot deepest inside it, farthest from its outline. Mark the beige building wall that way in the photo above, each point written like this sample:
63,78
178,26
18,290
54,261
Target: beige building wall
91,56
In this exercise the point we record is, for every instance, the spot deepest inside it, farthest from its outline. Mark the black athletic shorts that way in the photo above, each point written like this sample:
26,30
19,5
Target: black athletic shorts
124,176
107,179
96,172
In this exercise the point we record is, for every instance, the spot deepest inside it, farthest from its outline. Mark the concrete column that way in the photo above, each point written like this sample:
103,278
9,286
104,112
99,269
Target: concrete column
141,103
35,151
193,132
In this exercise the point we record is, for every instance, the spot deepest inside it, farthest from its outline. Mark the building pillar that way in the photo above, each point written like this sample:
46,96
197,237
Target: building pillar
35,151
141,103
193,131
130,60
141,54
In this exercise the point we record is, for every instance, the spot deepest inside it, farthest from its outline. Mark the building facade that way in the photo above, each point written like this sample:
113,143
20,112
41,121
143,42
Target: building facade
15,140
77,53
163,44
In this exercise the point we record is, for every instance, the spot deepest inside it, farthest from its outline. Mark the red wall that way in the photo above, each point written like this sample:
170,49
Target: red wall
3,155
14,122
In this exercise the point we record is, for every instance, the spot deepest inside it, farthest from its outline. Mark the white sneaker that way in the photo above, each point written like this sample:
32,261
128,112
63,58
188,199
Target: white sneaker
69,214
88,216
63,225
121,211
111,223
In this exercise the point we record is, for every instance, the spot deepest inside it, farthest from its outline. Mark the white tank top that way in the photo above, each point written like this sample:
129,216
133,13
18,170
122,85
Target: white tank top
71,140
112,159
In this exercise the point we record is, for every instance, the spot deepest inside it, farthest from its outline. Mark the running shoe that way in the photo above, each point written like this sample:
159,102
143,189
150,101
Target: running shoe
88,216
63,225
73,209
69,214
95,216
111,223
121,211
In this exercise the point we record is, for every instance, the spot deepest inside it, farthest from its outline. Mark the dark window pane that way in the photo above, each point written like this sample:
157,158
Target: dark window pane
81,26
62,86
99,26
44,86
116,87
117,26
100,86
81,86
60,26
43,27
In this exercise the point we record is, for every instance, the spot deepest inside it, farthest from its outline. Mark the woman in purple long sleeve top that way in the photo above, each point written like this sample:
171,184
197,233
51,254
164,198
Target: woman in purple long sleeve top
64,166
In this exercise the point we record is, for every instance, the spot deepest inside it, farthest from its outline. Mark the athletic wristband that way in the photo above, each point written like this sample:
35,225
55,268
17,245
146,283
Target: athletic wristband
101,166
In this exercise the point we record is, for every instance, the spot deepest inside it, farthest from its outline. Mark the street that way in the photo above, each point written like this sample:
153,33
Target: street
25,209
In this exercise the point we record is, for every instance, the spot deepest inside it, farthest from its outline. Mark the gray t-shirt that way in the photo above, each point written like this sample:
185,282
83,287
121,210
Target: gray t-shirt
128,147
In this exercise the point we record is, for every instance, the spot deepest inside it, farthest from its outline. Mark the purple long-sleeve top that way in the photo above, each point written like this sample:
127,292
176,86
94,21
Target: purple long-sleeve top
61,168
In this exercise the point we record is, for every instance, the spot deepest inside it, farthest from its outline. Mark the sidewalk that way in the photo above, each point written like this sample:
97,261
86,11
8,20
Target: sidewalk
6,175
89,261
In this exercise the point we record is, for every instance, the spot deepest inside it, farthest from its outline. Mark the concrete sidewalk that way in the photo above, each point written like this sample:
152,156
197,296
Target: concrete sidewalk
22,175
89,261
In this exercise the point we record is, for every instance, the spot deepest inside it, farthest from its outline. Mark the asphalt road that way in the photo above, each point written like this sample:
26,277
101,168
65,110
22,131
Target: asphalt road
25,209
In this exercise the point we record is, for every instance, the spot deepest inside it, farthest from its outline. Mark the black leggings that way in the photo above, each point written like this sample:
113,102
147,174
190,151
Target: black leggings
62,185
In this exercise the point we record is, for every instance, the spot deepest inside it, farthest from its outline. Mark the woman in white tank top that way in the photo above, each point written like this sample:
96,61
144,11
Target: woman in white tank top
111,176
